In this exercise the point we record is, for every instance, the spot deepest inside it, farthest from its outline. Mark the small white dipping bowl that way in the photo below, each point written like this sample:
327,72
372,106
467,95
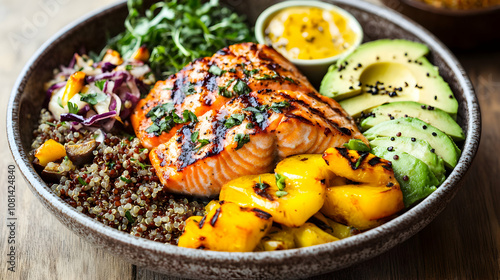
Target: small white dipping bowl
314,69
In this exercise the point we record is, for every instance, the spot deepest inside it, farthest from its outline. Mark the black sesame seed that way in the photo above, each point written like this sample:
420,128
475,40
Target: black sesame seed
406,116
390,148
434,134
391,117
428,75
359,65
392,138
406,54
395,157
424,126
451,96
398,134
435,97
351,87
433,150
406,178
413,139
360,84
423,107
430,108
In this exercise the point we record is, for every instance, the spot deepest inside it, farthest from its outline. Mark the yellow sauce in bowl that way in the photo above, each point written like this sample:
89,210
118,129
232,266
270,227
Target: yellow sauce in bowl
309,33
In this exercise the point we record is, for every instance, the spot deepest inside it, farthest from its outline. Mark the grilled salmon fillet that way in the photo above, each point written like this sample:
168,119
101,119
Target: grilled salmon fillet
208,83
247,135
233,114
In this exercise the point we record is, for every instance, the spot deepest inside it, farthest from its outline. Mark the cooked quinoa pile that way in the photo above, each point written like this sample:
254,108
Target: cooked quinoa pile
118,188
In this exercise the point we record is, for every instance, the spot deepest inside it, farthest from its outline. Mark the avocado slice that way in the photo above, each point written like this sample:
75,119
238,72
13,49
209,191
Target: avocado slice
433,116
414,176
342,79
385,71
414,128
417,148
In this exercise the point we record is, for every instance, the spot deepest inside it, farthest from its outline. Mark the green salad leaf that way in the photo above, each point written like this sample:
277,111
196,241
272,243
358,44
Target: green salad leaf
177,32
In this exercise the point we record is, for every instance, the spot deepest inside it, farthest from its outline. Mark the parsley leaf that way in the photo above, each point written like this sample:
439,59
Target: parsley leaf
241,88
129,217
81,181
234,120
93,98
100,84
72,108
277,106
128,181
241,139
215,70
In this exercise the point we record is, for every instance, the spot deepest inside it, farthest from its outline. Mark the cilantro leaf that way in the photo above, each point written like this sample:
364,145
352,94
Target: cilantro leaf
215,70
234,120
100,84
72,108
241,139
93,98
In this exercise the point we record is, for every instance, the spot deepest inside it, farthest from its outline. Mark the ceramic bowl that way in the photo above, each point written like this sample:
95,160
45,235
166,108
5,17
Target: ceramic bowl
314,69
378,22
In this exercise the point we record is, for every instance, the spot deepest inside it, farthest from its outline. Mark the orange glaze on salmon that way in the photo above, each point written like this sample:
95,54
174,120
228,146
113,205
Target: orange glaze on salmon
185,166
198,89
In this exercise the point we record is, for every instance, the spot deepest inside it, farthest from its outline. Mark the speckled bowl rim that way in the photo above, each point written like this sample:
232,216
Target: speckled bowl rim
356,243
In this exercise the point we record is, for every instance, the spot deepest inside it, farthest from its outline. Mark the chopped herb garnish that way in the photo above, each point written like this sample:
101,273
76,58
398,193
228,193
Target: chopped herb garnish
194,139
249,125
129,217
358,162
72,108
257,112
128,181
111,164
280,181
128,67
81,181
233,120
241,88
268,77
242,139
100,84
224,91
358,145
280,193
93,98
289,79
248,73
215,70
51,124
261,185
142,165
164,118
277,106
59,101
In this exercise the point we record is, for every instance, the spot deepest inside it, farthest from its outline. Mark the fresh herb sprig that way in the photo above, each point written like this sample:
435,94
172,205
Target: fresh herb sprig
177,32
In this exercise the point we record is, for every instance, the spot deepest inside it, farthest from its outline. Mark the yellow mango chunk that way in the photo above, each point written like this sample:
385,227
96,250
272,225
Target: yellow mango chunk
362,206
310,235
113,57
361,167
226,227
332,227
73,86
303,197
141,54
277,239
50,151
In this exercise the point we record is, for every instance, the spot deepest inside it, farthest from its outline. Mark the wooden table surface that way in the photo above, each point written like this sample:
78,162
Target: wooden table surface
463,242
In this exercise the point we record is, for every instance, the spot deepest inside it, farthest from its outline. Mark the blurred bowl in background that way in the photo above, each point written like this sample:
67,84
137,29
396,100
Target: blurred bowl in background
458,29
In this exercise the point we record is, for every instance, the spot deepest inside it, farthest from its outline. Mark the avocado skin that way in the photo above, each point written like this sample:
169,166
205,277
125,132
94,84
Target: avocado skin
433,116
419,149
413,127
420,182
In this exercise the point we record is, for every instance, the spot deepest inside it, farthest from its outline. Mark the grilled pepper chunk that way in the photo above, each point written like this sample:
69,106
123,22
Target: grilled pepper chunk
73,86
226,227
49,151
369,203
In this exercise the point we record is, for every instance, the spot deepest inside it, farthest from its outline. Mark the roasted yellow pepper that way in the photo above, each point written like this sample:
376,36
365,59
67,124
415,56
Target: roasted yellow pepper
277,239
50,151
364,205
332,227
309,235
304,185
361,167
73,86
113,57
141,54
226,227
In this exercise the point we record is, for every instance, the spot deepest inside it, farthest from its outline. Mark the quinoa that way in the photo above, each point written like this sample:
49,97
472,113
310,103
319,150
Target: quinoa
119,188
